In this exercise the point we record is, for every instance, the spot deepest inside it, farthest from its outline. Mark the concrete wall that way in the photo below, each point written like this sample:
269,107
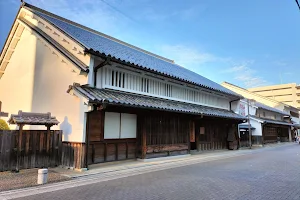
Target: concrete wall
36,80
286,93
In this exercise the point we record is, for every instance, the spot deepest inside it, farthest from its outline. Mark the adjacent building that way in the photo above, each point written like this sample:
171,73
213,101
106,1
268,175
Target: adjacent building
115,101
285,93
270,120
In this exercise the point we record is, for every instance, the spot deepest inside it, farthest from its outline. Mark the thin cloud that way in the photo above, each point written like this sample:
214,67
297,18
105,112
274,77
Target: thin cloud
184,55
246,75
165,14
235,69
280,63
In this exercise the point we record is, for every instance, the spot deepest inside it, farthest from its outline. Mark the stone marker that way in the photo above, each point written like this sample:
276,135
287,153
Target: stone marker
42,176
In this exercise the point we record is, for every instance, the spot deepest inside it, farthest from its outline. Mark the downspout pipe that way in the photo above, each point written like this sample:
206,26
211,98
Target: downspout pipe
102,64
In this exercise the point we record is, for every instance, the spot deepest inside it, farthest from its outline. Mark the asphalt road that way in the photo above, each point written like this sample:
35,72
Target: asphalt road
273,173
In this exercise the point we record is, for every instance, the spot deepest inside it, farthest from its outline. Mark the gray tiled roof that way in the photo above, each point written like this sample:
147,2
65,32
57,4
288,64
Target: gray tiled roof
141,101
245,126
100,44
265,107
33,119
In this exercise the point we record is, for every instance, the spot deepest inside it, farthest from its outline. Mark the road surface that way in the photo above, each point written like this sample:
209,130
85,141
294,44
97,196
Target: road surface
273,173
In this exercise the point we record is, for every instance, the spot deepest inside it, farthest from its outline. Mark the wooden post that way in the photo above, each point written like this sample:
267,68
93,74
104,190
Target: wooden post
87,139
19,147
262,134
144,140
196,137
290,134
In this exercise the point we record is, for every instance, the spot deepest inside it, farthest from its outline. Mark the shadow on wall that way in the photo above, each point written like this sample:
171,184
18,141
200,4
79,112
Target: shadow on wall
66,127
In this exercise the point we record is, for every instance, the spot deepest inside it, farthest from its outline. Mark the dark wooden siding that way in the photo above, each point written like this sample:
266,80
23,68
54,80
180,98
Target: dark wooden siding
216,133
73,155
38,149
105,150
95,125
166,129
166,134
271,133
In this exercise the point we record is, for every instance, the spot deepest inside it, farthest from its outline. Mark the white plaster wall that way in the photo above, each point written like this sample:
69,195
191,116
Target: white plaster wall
241,107
257,131
17,82
134,82
36,81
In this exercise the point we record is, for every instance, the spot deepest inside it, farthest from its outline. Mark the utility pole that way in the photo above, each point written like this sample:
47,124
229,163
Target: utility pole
249,125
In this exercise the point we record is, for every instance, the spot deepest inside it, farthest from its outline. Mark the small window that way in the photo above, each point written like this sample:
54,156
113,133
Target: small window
264,114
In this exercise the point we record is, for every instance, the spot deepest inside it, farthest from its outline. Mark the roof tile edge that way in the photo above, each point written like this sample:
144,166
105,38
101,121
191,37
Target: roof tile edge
27,5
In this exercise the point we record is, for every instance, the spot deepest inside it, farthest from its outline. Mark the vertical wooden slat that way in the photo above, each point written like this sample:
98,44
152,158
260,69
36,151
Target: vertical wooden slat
144,140
59,147
26,150
126,150
105,152
116,149
33,149
47,156
2,151
19,151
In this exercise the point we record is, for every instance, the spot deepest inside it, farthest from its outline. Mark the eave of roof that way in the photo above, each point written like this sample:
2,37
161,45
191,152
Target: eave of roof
112,97
145,62
61,49
269,121
27,118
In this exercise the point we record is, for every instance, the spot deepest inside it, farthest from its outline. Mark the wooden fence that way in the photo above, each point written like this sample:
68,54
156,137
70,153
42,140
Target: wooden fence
73,155
37,149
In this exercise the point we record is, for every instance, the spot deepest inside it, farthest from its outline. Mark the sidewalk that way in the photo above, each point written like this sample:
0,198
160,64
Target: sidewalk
174,160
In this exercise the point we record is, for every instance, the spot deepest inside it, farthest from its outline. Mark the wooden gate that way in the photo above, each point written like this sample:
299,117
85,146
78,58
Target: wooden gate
38,149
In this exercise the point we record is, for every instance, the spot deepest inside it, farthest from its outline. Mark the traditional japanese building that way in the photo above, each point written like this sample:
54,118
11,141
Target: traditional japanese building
270,120
114,99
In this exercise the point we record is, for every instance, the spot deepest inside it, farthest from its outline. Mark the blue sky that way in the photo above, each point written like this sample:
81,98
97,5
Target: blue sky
248,43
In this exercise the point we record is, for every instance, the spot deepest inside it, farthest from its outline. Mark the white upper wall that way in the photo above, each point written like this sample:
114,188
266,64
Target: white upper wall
127,80
241,107
36,80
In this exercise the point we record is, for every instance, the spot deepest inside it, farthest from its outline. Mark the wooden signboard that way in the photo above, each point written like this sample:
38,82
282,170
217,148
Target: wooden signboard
202,130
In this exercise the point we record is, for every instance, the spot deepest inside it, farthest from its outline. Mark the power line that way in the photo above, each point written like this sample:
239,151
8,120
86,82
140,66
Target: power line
298,4
117,10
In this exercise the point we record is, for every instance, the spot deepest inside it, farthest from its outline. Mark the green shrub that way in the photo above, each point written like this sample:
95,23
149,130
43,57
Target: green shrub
3,125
